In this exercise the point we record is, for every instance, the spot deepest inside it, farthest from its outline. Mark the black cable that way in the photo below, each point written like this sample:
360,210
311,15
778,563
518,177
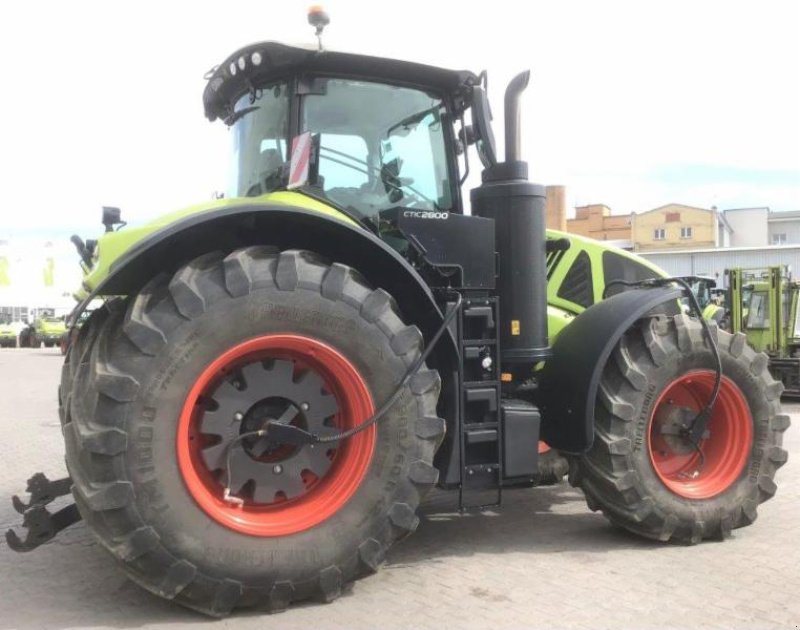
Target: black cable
695,430
399,390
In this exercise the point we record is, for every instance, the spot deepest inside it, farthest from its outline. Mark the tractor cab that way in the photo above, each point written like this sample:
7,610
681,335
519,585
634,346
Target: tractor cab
364,134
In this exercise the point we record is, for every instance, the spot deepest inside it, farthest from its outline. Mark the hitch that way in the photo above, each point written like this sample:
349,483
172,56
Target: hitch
41,525
42,491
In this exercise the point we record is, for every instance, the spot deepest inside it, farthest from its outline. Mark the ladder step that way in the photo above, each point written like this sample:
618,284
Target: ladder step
478,342
481,436
481,429
476,384
483,394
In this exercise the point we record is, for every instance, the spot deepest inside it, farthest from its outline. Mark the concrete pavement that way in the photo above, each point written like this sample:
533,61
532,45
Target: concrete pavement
542,561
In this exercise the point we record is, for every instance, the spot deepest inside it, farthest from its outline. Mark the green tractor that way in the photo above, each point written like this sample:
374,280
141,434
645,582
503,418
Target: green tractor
47,330
8,335
763,305
276,379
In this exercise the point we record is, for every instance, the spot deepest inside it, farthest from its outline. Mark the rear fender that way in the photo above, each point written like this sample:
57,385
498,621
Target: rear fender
286,227
571,377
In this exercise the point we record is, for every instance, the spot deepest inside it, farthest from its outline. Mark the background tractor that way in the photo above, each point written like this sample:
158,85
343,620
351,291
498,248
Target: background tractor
276,379
8,335
48,331
763,306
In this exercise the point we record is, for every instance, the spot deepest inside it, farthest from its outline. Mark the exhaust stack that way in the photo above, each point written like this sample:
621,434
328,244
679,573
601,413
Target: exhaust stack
513,92
518,209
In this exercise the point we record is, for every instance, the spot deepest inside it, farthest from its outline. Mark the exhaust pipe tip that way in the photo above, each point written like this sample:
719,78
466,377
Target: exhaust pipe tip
515,88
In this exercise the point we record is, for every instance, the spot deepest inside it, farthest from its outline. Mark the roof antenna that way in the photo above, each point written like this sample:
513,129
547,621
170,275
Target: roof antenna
319,20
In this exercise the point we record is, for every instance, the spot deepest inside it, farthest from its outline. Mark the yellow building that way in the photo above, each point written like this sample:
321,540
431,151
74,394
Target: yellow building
676,226
597,222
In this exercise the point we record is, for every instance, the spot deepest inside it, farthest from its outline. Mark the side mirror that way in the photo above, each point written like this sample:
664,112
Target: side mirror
111,217
482,125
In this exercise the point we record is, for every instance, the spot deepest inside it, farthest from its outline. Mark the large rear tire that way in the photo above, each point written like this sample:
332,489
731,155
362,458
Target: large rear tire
642,474
167,366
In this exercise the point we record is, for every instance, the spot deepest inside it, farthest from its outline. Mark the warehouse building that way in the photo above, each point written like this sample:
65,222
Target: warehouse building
714,261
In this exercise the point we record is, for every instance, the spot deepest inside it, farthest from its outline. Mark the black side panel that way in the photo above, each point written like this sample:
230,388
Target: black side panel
577,286
456,241
571,377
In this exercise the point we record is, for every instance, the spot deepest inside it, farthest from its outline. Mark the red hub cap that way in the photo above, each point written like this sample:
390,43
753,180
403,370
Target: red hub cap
725,447
276,490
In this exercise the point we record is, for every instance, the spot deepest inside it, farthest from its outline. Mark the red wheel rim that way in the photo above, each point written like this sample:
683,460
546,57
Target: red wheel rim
324,496
725,448
543,447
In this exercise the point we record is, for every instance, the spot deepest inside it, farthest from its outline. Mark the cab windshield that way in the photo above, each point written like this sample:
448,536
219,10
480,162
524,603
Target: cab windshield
380,146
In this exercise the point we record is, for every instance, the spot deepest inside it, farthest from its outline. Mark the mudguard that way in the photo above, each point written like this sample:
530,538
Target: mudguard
571,377
285,227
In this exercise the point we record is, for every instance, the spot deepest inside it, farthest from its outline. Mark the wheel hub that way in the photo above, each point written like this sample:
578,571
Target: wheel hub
257,417
673,421
258,392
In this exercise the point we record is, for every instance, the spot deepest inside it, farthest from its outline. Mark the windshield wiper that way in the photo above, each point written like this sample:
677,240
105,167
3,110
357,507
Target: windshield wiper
413,119
240,114
368,168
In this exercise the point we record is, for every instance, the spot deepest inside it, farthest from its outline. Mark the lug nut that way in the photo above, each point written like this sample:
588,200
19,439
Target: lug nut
239,416
277,469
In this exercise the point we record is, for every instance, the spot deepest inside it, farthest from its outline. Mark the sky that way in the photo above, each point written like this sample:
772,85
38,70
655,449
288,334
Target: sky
631,104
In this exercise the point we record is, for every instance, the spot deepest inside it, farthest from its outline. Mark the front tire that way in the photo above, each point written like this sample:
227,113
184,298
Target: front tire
143,442
642,474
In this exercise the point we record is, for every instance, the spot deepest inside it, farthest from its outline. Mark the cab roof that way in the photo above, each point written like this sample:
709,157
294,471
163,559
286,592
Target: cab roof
260,63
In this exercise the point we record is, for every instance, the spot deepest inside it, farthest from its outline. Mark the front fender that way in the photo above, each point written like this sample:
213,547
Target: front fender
570,378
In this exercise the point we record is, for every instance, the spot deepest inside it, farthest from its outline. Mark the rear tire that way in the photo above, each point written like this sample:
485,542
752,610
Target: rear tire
649,481
123,437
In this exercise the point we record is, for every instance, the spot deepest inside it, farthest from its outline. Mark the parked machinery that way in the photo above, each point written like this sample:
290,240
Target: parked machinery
763,306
